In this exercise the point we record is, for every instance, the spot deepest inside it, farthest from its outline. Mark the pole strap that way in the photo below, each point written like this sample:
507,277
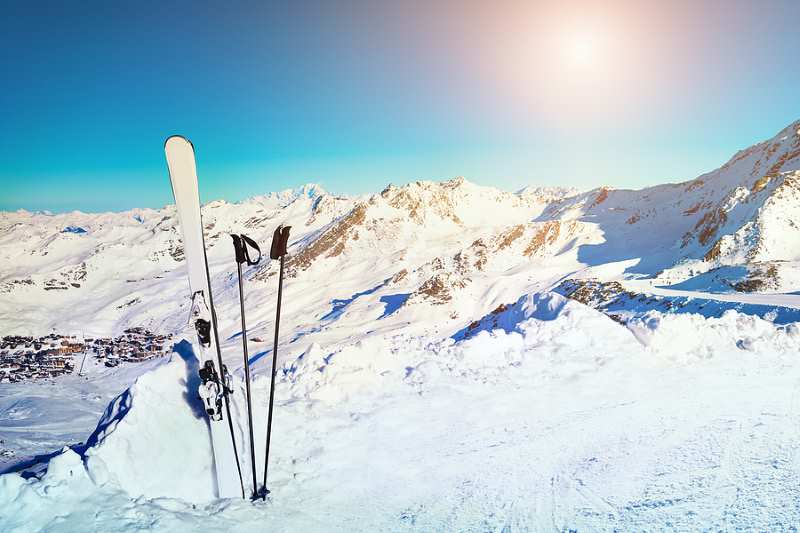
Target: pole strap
241,244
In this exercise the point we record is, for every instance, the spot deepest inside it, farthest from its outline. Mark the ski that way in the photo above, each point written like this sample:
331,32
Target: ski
215,387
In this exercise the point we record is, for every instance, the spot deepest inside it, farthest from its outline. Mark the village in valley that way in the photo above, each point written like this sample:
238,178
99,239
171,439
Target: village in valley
26,358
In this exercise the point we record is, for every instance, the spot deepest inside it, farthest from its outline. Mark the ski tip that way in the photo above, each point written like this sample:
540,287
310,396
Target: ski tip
177,140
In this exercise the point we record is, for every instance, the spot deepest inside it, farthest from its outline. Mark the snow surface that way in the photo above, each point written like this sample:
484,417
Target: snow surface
572,422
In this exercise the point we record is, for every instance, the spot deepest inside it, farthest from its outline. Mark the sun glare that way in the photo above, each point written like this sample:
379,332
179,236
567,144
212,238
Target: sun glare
581,49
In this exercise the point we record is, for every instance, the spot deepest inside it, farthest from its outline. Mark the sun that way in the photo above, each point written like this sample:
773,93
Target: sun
580,49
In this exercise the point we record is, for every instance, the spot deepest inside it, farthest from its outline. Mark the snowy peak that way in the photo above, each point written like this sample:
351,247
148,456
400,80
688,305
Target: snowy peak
767,159
406,221
309,191
422,200
467,204
727,216
745,202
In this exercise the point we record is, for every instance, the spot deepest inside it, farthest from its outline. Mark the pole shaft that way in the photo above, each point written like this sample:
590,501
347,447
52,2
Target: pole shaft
247,382
274,371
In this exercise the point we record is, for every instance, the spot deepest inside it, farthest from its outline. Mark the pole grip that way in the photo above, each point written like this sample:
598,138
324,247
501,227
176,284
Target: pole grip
279,240
238,247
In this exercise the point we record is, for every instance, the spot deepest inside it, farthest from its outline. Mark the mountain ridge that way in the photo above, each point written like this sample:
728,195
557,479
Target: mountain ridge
444,249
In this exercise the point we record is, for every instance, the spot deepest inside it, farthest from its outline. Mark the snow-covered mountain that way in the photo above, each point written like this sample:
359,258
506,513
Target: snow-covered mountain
429,326
454,249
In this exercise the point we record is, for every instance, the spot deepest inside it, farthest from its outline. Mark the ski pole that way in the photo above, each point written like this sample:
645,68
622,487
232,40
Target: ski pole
277,251
240,243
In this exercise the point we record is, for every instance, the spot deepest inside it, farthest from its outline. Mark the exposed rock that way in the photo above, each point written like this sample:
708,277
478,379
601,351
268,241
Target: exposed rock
601,197
759,278
513,234
547,234
330,243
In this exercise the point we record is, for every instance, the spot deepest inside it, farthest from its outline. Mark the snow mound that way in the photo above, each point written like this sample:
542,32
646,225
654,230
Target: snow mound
153,438
542,306
687,337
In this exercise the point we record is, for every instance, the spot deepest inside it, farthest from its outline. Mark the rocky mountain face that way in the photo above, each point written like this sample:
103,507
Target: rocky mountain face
444,253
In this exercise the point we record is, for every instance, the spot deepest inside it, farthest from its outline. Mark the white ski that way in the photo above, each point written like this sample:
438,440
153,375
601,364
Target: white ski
215,388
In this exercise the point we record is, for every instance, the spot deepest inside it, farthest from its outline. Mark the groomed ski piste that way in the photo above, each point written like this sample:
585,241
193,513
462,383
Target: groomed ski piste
570,423
452,358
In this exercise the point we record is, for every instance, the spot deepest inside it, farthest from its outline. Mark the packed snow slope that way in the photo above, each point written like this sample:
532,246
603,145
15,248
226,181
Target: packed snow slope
569,422
438,369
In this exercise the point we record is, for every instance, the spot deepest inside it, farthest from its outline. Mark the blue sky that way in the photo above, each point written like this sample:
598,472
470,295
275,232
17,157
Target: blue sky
356,95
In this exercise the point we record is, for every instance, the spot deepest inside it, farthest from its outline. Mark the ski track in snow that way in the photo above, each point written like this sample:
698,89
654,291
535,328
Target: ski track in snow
791,301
